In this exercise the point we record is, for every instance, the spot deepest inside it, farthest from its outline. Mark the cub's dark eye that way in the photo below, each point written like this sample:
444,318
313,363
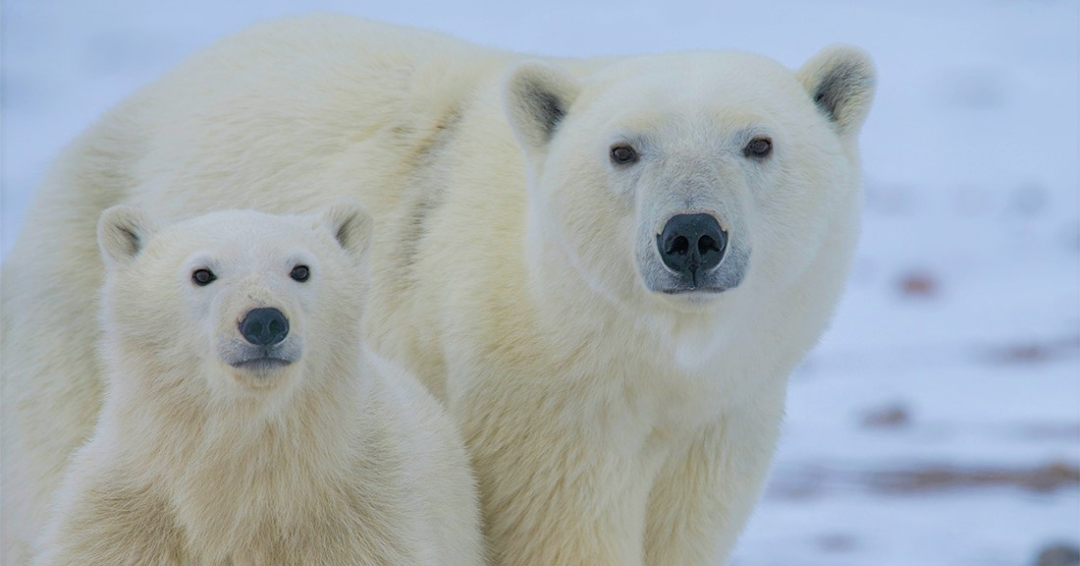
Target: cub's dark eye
203,277
758,147
300,273
623,155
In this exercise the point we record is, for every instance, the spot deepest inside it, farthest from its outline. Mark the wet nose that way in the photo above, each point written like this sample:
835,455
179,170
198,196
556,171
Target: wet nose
692,243
264,327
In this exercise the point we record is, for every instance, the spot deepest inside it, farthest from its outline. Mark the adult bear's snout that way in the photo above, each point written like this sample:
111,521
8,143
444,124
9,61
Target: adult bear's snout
264,327
692,244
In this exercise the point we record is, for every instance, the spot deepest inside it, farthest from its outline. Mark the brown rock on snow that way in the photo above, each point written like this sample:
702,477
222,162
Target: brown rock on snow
919,285
1058,555
891,416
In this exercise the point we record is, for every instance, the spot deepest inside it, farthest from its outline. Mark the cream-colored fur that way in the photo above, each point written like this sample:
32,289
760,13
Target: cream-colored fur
204,457
609,423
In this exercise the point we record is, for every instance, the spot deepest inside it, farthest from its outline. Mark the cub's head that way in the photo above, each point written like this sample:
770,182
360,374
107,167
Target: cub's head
677,182
250,300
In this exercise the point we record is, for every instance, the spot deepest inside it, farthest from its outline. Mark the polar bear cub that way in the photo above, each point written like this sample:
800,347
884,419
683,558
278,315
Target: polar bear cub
243,423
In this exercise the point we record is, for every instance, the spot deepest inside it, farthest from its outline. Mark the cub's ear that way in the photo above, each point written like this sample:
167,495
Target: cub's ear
350,225
536,97
841,81
123,231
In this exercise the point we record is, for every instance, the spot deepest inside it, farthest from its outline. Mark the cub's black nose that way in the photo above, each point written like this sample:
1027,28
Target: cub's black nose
264,327
692,243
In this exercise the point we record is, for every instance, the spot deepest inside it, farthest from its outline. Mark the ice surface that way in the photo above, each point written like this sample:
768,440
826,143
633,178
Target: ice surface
958,343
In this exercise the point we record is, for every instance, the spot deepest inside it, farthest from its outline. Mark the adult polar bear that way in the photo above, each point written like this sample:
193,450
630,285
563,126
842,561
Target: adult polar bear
606,268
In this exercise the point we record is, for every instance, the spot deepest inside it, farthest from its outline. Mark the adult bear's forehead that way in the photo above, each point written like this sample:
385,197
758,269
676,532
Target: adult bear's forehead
733,83
694,71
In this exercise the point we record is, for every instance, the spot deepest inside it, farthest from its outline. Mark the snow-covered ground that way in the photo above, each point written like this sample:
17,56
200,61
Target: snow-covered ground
939,421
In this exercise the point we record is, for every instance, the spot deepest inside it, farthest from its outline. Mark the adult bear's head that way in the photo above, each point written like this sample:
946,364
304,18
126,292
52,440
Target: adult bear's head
682,181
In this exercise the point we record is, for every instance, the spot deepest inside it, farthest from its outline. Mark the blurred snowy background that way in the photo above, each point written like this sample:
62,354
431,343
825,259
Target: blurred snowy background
939,421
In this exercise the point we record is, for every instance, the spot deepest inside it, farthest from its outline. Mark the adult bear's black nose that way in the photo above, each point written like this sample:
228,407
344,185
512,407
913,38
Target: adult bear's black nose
264,327
692,243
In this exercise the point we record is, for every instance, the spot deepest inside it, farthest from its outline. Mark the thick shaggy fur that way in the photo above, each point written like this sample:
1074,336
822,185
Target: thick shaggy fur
514,268
330,460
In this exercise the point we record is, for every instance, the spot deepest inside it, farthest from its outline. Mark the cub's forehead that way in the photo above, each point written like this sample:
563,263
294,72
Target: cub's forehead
238,233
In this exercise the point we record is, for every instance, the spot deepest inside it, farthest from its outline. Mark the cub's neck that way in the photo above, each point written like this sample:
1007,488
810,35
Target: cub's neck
185,426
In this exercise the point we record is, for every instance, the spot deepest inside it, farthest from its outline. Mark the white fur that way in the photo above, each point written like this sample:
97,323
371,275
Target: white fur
333,459
608,424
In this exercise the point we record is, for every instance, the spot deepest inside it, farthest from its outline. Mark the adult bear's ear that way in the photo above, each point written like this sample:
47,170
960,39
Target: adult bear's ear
536,97
350,225
123,231
840,80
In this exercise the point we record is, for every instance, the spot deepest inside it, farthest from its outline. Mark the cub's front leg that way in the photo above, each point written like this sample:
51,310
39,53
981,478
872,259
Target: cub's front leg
101,521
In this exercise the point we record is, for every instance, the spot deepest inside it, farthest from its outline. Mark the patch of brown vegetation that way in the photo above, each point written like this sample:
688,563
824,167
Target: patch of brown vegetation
837,542
1050,431
919,285
814,481
1035,352
890,416
1041,479
1059,555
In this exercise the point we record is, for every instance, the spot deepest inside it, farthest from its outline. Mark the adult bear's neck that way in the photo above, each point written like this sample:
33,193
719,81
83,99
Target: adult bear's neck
577,311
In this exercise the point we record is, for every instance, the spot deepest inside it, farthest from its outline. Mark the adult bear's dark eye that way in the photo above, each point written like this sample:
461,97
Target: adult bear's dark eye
623,154
758,147
300,273
203,277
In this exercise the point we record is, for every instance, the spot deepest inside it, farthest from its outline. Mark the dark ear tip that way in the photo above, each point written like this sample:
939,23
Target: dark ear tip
123,230
850,62
847,51
349,223
117,214
841,80
537,96
345,208
531,73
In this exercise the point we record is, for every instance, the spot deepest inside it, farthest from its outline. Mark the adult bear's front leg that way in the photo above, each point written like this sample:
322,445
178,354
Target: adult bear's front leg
705,492
559,490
